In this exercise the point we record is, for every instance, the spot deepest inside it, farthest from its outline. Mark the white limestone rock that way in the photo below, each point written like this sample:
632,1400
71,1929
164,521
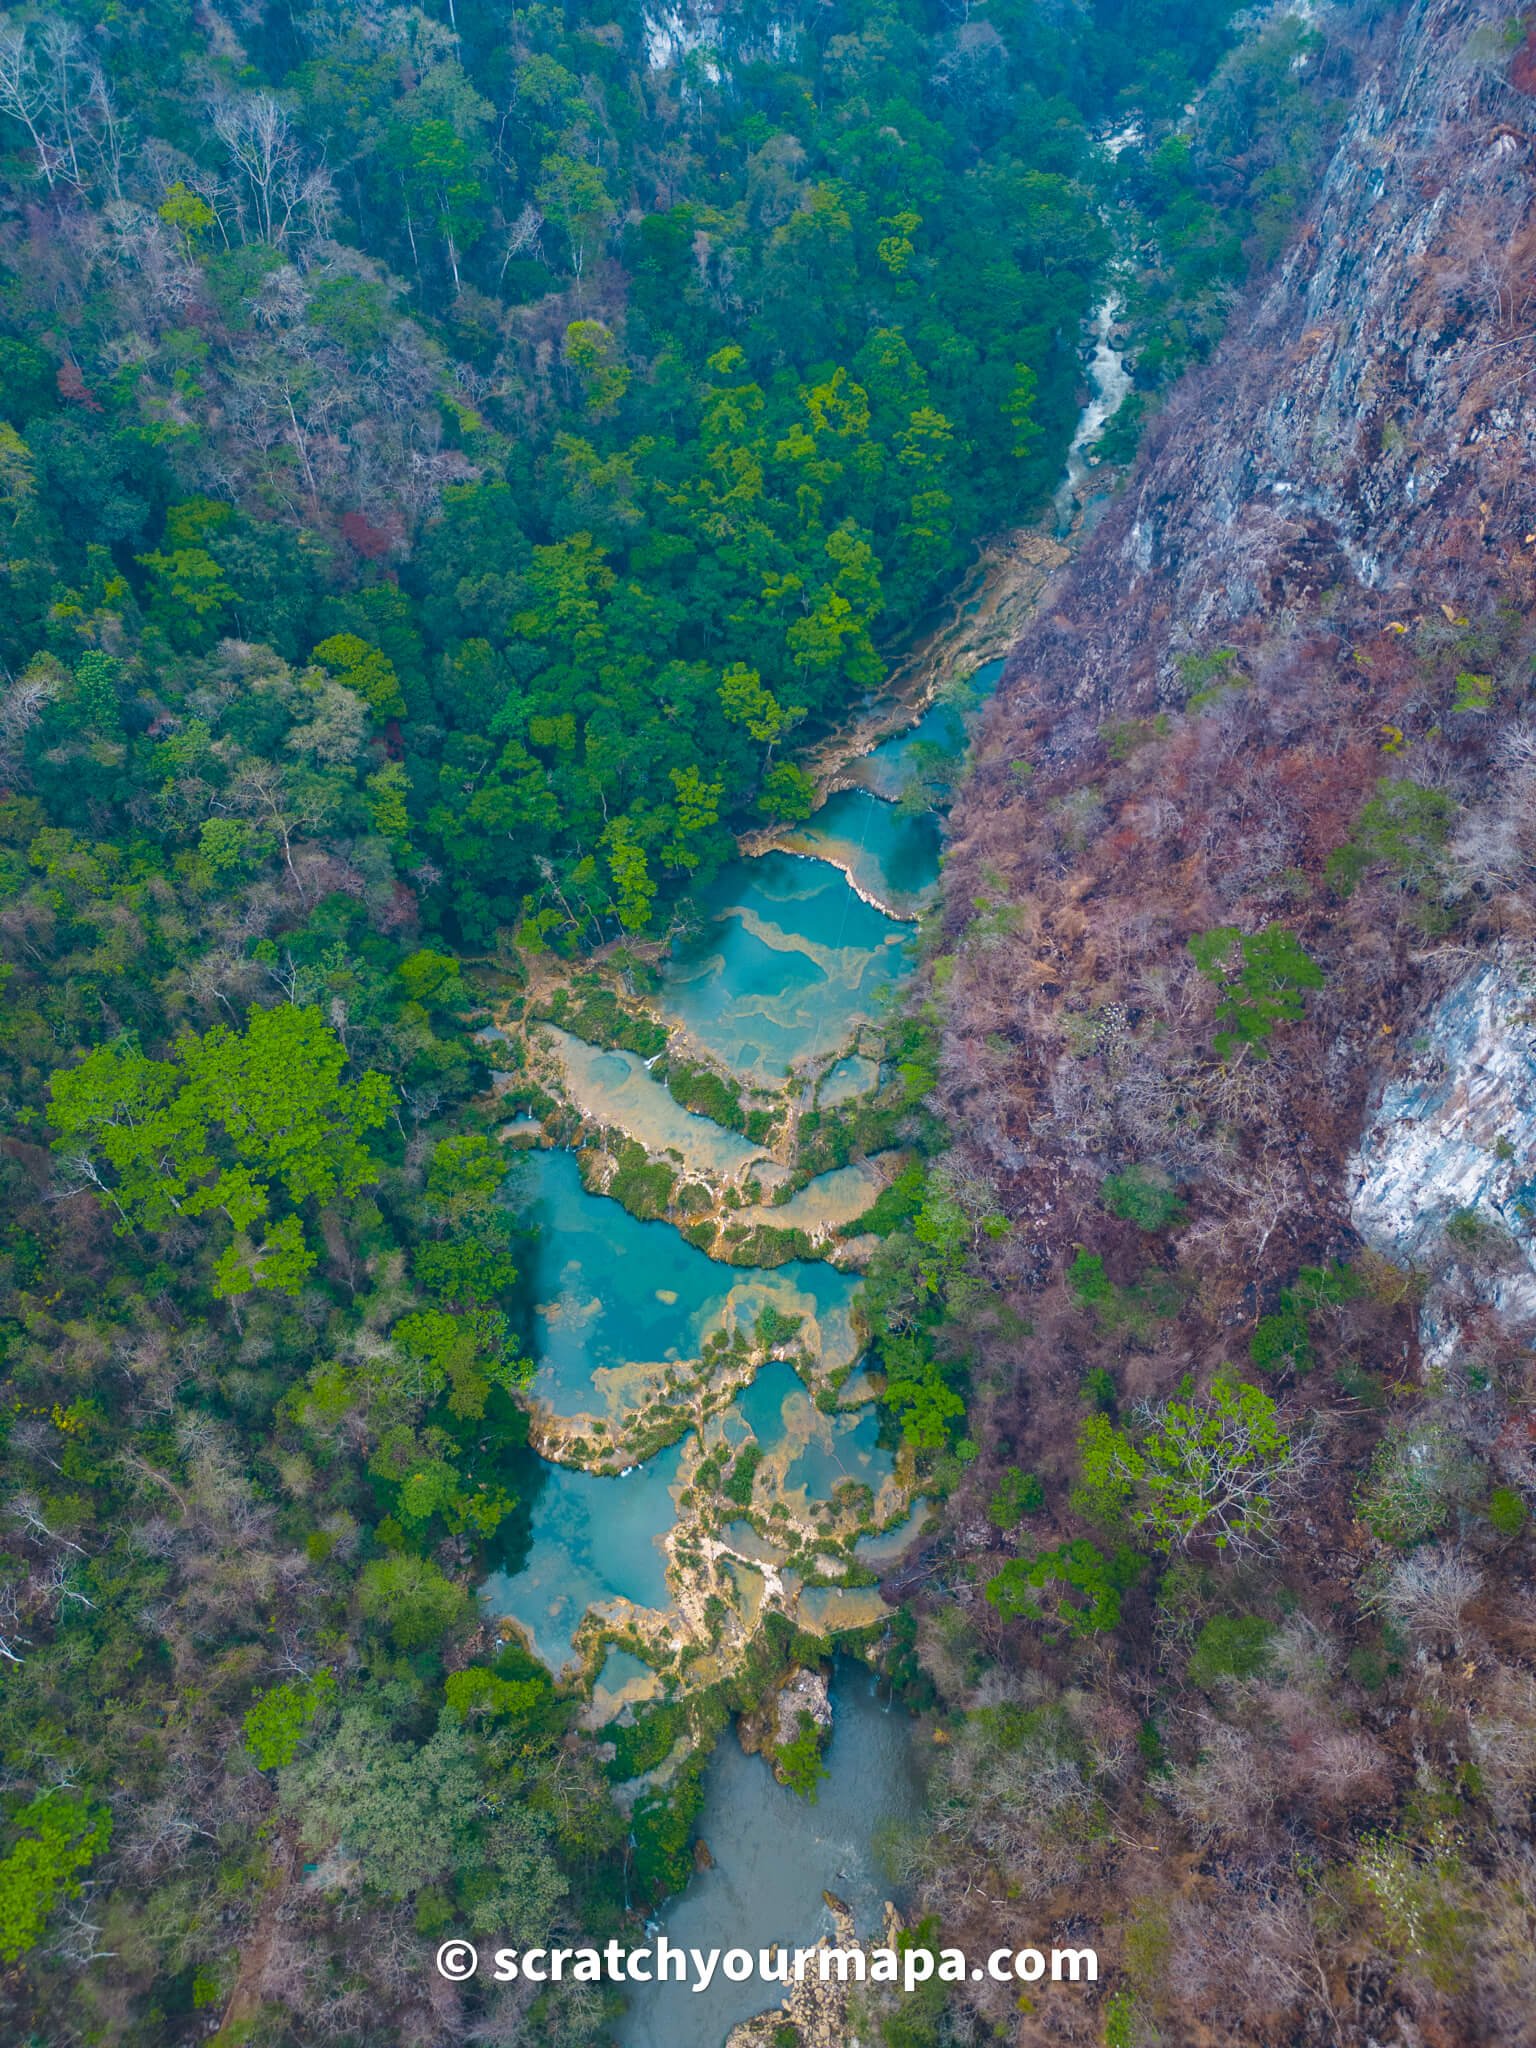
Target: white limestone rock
1458,1130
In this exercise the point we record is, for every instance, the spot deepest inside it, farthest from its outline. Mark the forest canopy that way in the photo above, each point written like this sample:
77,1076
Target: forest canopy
592,421
450,461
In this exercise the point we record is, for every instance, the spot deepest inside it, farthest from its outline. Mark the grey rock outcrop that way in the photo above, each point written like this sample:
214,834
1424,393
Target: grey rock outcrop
1456,1132
1444,1177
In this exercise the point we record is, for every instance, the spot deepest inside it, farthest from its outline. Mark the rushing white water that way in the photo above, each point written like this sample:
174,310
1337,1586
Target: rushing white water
1111,382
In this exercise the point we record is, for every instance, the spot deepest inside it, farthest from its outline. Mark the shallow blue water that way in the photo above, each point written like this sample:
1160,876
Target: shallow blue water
891,766
851,1452
890,856
590,1540
779,1411
761,1406
611,1292
848,1079
786,964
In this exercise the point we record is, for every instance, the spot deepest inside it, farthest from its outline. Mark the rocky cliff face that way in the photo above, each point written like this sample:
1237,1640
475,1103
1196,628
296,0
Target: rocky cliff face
1366,424
1455,1129
1442,1178
1333,508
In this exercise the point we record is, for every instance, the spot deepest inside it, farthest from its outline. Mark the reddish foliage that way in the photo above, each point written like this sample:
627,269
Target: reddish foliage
370,541
73,389
402,913
1522,72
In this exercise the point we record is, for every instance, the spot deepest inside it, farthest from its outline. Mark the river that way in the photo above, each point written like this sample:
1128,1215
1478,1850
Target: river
798,948
1110,383
798,945
775,1853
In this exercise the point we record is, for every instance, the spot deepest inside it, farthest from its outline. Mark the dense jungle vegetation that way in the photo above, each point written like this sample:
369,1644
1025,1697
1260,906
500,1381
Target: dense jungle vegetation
446,460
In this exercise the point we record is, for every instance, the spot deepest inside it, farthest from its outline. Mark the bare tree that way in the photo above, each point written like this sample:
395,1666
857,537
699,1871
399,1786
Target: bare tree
24,96
1428,1590
284,195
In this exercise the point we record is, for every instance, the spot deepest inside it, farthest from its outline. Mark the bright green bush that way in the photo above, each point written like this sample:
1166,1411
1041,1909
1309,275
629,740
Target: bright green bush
1262,977
737,1486
1507,1511
1075,1585
275,1724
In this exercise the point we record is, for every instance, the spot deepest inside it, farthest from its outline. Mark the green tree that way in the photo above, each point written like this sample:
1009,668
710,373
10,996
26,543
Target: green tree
1142,1195
387,790
1403,828
916,1390
799,1761
280,1263
1017,1494
696,811
1282,1340
189,215
1230,1646
411,1600
788,793
462,1355
276,1723
18,472
589,349
1075,1585
364,669
747,702
634,890
1209,1470
277,1091
189,595
1262,977
572,195
467,1270
57,1836
1019,411
1129,1311
417,1814
466,1174
230,1119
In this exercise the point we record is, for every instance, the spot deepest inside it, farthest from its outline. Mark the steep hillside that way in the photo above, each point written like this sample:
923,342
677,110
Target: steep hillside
1366,425
1235,986
1326,531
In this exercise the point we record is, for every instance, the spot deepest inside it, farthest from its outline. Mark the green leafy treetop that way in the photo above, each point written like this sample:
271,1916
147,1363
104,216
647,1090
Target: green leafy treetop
1075,1586
799,1760
231,1119
277,1722
57,1836
1262,977
364,669
1142,1195
1210,1469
